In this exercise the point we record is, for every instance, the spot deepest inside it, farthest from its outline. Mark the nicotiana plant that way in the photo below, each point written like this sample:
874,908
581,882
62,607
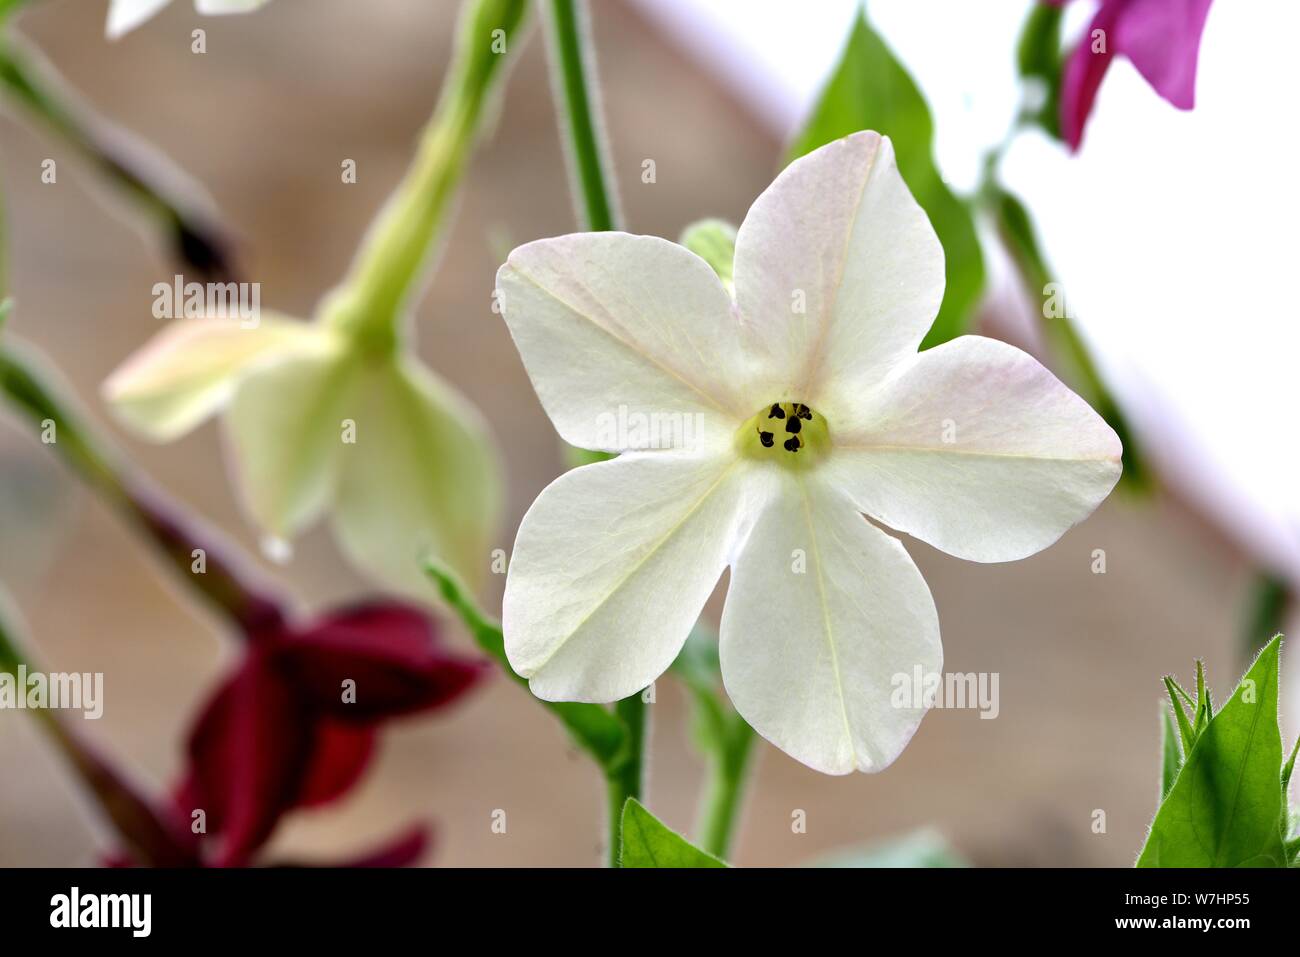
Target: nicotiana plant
814,382
339,415
817,407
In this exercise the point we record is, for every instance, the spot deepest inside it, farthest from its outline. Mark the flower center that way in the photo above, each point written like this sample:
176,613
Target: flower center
789,432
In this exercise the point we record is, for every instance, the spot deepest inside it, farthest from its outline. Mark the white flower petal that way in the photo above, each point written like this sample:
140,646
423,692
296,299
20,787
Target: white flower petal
191,368
286,426
977,449
610,320
125,15
420,480
823,612
838,235
227,6
611,567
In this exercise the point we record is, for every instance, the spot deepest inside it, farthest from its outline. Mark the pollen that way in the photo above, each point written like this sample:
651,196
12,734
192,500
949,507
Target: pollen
786,431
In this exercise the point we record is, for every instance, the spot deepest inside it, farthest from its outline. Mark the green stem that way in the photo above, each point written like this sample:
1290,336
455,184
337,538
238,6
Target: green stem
625,778
34,391
592,726
573,67
573,72
148,177
724,790
395,254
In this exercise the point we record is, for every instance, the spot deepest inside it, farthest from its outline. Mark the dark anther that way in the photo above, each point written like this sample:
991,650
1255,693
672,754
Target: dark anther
766,439
792,444
776,413
802,411
793,425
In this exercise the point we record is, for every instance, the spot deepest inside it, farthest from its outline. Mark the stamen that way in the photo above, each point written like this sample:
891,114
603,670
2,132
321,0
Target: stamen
802,432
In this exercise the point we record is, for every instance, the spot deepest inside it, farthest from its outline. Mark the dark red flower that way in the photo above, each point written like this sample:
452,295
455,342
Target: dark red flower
294,725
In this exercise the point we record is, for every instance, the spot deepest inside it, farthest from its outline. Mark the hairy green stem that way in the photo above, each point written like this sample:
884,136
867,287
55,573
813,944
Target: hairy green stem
724,789
625,777
573,66
139,170
395,255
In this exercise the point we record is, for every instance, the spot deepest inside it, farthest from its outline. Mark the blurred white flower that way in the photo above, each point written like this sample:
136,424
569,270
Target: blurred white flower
815,407
319,422
125,15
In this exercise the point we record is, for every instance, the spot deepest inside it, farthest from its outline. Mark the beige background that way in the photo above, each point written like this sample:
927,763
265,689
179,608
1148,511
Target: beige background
264,118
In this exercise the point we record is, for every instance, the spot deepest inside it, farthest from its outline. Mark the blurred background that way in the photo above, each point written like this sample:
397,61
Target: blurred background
1164,229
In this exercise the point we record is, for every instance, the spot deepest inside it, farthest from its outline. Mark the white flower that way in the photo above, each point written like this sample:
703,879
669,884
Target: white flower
125,15
318,423
972,446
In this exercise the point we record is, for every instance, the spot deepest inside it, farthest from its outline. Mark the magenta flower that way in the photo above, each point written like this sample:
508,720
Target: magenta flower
1162,38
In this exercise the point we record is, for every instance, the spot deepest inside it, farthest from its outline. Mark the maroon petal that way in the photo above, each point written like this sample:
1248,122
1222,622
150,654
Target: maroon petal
339,756
375,661
249,752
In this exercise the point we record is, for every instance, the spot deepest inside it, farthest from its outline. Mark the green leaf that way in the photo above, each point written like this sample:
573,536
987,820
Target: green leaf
714,241
1204,710
1182,693
1204,706
1171,754
595,729
648,842
925,847
1186,730
870,89
1290,766
1225,809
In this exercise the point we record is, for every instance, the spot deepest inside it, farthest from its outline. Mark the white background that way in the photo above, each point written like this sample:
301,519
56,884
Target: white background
1174,233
